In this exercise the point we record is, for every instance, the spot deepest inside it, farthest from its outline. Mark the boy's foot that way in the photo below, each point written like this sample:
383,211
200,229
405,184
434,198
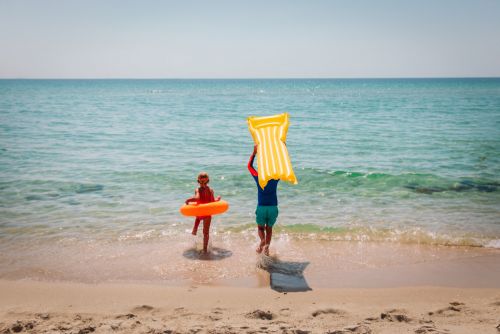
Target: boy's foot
259,249
194,232
266,250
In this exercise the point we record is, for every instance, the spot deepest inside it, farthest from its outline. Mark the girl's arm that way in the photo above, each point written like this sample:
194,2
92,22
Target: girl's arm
195,198
213,197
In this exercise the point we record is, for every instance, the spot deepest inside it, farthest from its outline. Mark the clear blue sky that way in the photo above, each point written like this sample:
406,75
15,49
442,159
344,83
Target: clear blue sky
248,39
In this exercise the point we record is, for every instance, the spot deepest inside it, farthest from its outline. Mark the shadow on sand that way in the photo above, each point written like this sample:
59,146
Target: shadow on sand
286,276
214,254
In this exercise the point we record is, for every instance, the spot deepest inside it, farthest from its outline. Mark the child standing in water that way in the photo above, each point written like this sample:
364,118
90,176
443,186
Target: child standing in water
203,194
267,207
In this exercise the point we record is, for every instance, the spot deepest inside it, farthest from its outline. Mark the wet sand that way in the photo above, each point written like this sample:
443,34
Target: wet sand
306,286
175,261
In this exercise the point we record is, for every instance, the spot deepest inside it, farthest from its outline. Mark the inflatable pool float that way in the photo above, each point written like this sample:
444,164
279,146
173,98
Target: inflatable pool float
206,209
273,162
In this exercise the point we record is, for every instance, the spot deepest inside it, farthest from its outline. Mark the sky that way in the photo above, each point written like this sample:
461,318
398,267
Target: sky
249,39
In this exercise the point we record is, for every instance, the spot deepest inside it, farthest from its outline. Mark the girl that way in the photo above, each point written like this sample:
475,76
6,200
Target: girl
203,194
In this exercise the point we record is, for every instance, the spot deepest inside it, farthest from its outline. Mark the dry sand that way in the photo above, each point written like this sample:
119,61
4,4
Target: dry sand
42,307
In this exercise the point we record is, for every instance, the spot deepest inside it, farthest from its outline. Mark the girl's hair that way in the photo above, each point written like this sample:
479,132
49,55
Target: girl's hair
203,175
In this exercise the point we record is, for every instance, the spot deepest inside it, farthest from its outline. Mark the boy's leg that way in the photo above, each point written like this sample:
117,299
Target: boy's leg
261,222
272,215
195,227
269,234
262,238
206,230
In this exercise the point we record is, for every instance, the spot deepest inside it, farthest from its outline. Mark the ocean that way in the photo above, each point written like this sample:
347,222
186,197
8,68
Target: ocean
106,162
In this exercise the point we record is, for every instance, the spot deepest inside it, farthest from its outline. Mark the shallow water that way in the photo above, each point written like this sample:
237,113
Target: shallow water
410,160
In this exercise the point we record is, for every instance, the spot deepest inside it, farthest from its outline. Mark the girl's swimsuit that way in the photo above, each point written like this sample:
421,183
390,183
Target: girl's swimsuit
206,196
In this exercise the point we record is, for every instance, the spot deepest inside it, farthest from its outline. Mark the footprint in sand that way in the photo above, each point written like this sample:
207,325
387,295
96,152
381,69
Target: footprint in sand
161,331
43,316
331,311
143,308
357,329
395,315
20,326
216,314
63,326
259,314
285,312
218,310
126,316
87,330
300,331
371,319
430,329
456,303
454,309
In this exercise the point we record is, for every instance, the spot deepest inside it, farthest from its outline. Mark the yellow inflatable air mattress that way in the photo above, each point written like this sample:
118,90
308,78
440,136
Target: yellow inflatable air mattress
273,162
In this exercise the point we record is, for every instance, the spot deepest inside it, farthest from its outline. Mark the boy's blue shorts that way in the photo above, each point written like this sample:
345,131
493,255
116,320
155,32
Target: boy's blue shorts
266,215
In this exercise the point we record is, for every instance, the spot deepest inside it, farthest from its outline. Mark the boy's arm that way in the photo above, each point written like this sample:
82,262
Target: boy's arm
250,162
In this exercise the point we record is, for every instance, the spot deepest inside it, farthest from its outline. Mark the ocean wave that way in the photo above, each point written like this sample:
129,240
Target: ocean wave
421,183
411,235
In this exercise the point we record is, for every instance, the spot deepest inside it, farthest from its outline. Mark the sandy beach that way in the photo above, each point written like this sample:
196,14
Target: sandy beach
37,307
344,288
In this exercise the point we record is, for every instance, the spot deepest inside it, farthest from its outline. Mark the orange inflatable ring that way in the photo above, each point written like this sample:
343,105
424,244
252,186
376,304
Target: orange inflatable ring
206,209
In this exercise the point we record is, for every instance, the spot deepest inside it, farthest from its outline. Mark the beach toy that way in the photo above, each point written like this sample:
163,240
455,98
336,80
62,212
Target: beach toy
205,209
273,162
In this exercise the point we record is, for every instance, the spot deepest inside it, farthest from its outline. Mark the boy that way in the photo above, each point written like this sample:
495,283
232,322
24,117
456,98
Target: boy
203,194
267,207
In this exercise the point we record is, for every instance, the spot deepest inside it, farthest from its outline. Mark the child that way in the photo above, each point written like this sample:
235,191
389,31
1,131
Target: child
203,194
267,207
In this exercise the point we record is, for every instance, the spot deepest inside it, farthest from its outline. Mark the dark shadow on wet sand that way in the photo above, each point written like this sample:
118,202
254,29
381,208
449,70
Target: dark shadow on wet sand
286,276
214,254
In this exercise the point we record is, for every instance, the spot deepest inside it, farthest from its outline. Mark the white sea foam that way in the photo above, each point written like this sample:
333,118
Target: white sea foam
493,244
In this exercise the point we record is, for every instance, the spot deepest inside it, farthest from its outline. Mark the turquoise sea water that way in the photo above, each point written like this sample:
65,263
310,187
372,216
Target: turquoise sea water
403,160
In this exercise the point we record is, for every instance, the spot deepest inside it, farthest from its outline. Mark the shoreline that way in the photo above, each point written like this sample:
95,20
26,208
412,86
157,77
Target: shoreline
233,262
40,307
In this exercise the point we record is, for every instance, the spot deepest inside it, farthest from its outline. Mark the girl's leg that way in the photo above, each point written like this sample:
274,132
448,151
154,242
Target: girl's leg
195,227
206,230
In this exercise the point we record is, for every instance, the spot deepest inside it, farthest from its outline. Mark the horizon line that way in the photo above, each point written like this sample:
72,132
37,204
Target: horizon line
249,78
